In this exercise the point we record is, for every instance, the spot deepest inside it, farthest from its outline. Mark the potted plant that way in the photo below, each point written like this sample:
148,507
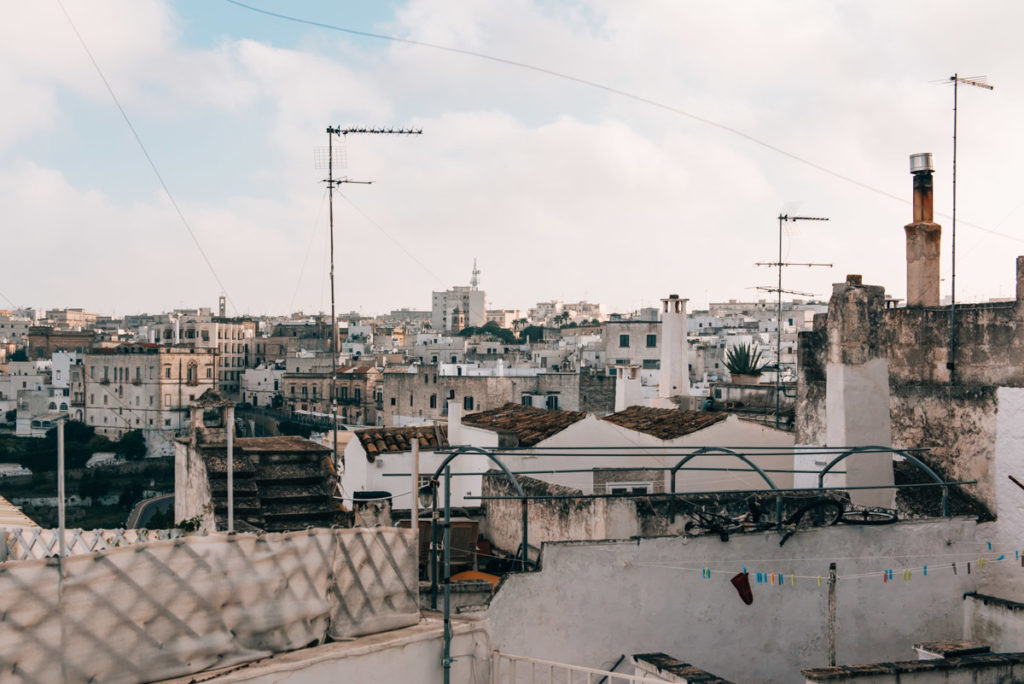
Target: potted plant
744,363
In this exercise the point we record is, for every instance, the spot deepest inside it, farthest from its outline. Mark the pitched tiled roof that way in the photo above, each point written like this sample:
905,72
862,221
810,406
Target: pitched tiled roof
665,423
529,425
397,439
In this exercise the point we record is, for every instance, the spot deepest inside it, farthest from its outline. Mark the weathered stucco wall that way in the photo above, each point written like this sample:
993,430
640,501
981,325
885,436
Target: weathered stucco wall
995,622
593,602
956,421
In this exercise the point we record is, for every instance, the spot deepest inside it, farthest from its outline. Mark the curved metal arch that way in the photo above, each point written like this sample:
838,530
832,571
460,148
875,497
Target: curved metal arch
477,450
880,449
720,450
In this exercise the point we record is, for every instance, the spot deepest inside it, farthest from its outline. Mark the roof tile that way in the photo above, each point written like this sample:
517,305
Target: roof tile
665,423
529,425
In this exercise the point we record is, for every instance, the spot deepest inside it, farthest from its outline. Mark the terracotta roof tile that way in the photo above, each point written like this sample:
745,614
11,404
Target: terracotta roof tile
665,423
529,425
397,439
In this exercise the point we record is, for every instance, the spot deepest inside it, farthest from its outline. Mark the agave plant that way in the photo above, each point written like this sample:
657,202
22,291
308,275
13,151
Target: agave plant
744,359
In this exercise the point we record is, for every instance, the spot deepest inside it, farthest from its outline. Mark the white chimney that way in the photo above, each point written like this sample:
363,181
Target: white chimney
629,389
177,330
454,422
674,379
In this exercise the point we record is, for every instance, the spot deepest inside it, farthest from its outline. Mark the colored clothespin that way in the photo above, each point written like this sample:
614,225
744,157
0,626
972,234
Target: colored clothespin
1001,557
744,571
989,545
968,567
954,569
792,580
772,578
925,573
885,576
819,580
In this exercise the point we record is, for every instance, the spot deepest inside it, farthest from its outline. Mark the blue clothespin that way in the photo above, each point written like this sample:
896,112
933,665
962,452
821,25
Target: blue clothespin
989,545
926,571
1001,557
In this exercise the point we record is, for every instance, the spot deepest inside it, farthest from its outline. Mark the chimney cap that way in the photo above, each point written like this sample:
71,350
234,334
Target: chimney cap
921,163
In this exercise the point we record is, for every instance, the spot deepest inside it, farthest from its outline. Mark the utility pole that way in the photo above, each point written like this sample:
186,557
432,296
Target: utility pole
979,82
778,321
332,183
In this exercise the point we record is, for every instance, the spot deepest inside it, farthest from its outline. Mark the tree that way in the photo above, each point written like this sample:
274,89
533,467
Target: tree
20,355
11,416
532,333
744,359
132,445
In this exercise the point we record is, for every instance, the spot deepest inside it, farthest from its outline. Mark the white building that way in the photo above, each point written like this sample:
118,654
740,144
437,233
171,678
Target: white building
145,387
467,300
261,385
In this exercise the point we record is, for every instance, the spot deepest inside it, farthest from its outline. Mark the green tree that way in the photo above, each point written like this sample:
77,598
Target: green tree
532,333
11,416
20,355
132,445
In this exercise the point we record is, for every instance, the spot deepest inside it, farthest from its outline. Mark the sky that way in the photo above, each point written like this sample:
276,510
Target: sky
604,151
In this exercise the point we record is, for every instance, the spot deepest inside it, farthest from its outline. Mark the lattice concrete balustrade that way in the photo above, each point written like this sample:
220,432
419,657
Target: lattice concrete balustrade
159,609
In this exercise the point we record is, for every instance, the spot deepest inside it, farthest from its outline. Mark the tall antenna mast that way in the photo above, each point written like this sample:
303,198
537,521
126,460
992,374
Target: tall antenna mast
474,281
778,320
332,183
979,82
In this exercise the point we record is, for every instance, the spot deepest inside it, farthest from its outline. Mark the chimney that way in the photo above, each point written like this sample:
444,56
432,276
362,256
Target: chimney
923,238
675,372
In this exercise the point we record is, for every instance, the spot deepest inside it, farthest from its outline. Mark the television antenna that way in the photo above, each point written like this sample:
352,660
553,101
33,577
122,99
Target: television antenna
978,82
331,158
780,264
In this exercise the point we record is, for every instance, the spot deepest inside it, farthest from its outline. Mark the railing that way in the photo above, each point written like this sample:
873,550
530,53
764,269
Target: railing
29,543
513,669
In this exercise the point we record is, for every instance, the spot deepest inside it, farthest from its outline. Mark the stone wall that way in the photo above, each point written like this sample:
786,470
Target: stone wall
412,392
957,421
597,392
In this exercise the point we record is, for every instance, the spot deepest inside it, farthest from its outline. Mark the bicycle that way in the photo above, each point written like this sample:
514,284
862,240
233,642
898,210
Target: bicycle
821,512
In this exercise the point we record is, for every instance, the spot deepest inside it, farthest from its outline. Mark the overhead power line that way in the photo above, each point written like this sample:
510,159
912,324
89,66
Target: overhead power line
146,154
609,89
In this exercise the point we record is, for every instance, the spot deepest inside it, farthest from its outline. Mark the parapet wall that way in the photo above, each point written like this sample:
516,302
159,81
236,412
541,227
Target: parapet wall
172,608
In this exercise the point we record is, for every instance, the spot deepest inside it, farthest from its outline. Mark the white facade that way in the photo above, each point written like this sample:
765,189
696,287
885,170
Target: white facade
145,387
261,385
468,300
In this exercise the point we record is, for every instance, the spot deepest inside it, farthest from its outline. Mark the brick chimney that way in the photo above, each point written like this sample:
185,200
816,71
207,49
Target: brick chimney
923,238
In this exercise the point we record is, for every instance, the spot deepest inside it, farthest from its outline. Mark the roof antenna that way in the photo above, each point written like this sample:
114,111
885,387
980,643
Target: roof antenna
979,82
332,183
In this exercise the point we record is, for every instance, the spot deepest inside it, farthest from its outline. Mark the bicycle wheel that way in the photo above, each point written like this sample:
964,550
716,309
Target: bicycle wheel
868,516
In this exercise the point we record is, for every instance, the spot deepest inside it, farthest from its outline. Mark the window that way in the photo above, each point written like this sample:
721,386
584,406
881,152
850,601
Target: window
392,401
467,403
623,340
433,401
167,371
167,422
552,401
652,340
104,399
209,373
357,395
629,487
527,400
651,364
